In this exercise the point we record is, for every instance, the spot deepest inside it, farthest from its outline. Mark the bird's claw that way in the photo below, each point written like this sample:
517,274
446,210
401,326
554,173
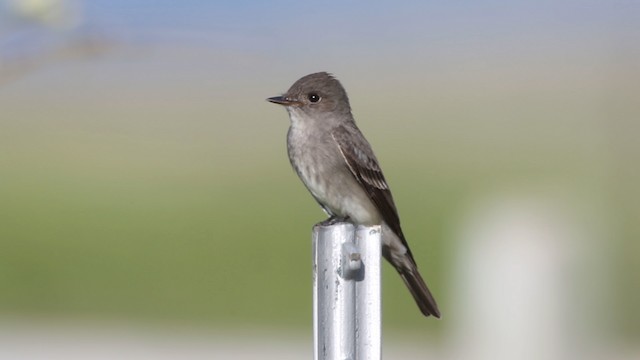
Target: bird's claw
334,220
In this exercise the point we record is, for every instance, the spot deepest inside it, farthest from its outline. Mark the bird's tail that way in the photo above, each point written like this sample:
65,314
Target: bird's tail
419,290
396,250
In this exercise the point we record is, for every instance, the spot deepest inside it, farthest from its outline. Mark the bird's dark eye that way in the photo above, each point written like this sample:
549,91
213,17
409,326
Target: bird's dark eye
313,97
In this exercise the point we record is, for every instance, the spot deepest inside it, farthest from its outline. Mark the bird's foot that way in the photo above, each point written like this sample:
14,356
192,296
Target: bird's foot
334,220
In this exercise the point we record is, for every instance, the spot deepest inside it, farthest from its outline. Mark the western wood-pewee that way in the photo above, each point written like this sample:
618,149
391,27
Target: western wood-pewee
337,165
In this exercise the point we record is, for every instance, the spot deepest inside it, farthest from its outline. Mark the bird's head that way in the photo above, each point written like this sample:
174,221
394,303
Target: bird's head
316,95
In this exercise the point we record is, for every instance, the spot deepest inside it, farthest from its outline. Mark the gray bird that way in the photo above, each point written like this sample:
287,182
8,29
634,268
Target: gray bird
337,165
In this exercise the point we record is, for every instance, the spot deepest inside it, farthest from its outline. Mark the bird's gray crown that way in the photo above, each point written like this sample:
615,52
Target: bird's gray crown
319,92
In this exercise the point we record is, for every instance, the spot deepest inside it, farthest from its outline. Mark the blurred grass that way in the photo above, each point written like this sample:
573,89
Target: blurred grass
112,225
162,227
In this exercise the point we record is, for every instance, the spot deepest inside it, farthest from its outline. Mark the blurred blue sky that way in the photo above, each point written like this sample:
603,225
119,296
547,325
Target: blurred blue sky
247,40
298,26
344,29
309,21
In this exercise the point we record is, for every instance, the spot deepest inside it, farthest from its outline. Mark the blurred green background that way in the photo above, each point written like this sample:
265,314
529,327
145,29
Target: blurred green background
144,177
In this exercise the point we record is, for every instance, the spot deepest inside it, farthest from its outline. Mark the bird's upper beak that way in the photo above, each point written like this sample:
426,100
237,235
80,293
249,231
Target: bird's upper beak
284,101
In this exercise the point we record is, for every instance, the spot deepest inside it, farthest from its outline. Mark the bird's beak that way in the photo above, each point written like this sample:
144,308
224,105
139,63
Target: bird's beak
284,101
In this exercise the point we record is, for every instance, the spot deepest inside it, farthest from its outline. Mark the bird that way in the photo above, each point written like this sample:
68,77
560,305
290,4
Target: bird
337,165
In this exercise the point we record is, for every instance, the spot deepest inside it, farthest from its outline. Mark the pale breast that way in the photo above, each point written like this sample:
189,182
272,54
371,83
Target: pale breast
321,168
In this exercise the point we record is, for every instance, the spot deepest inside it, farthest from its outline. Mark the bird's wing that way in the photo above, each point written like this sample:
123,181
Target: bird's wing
363,164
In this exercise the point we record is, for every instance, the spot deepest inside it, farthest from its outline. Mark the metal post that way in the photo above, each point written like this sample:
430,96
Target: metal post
346,292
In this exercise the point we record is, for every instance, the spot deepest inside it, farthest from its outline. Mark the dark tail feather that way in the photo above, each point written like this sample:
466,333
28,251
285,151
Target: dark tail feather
420,292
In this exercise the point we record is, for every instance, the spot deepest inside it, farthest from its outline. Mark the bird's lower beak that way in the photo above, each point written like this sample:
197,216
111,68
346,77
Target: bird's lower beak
283,100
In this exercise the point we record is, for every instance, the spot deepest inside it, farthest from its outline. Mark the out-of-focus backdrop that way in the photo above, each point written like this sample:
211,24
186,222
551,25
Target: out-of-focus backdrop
148,210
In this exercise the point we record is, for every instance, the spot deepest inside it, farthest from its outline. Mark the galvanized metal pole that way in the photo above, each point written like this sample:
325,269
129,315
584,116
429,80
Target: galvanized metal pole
369,295
346,292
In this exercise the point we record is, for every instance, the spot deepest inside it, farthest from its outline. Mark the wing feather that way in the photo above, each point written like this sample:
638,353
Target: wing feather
364,166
